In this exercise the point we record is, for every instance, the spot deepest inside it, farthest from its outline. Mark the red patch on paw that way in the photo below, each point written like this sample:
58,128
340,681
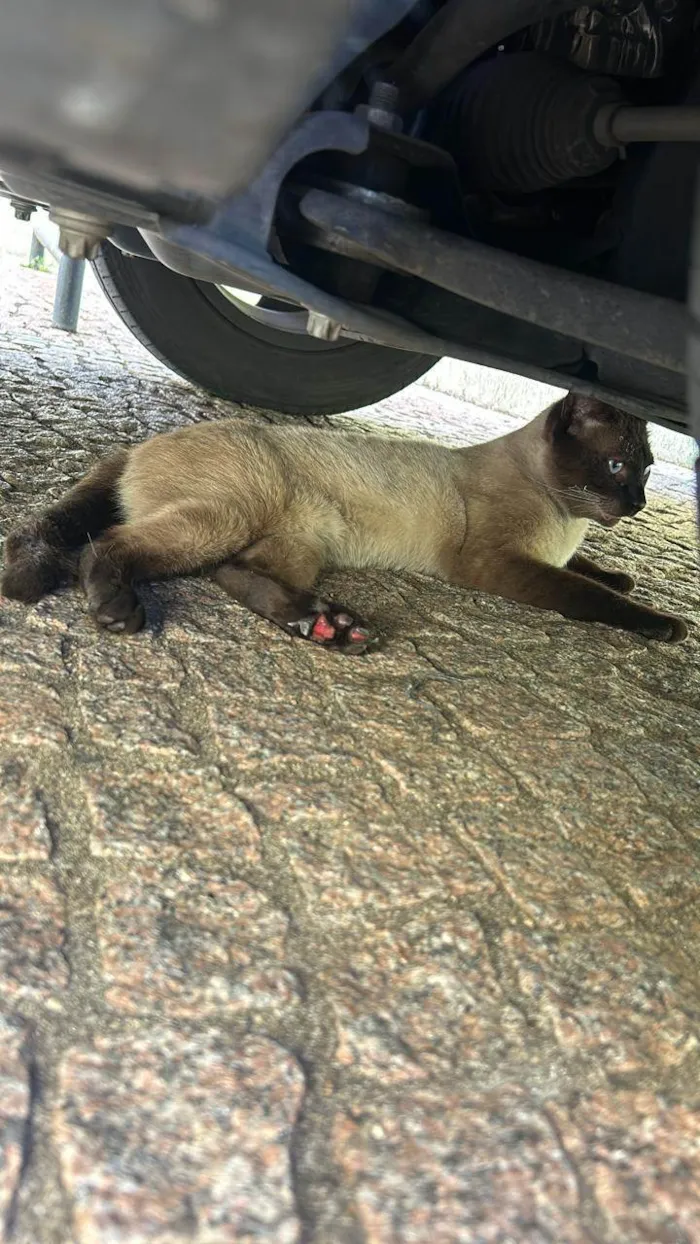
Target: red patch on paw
358,635
322,630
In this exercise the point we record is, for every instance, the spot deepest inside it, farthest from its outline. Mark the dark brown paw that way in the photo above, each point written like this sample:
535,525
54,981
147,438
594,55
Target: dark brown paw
32,567
123,613
112,602
666,627
678,630
333,626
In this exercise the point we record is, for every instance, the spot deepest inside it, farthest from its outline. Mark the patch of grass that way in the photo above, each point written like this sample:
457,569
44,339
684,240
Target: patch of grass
37,265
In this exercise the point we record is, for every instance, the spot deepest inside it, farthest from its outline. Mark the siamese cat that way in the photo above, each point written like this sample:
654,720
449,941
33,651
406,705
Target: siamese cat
265,509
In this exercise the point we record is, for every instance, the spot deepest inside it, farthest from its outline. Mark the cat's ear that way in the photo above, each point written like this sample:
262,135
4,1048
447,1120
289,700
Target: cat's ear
578,415
559,417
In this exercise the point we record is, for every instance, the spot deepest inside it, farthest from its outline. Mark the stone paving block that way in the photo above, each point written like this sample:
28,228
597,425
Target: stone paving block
480,706
423,1000
32,931
158,815
140,720
197,611
24,832
14,1108
341,831
587,791
31,715
292,723
601,996
548,880
27,646
667,770
141,667
433,1169
308,706
499,1167
167,1137
435,997
640,1155
643,863
191,943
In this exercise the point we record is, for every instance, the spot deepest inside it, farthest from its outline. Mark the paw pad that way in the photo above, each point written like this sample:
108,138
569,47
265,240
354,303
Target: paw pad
359,635
333,626
322,629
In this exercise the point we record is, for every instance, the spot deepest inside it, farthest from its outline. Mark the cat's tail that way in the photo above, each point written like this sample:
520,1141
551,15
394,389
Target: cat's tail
39,554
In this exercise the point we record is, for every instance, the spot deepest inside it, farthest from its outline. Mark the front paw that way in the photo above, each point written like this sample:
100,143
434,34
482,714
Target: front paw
112,601
678,630
122,612
664,626
32,567
333,626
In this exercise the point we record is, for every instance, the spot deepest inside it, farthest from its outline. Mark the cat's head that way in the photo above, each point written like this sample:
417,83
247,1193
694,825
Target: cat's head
599,459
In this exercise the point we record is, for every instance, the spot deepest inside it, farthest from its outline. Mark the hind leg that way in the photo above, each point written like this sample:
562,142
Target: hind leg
37,555
274,579
174,540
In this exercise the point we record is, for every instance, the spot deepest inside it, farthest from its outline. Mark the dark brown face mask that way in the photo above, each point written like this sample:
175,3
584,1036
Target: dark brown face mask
600,459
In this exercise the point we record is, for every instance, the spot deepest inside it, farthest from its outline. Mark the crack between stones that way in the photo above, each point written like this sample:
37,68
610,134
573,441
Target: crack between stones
34,1086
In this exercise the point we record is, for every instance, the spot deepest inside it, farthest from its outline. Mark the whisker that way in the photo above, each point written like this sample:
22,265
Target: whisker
574,492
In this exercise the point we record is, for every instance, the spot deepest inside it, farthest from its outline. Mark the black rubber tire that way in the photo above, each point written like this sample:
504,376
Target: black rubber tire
694,344
198,332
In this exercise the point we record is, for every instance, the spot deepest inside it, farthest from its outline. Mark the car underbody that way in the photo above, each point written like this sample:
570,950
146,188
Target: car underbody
511,184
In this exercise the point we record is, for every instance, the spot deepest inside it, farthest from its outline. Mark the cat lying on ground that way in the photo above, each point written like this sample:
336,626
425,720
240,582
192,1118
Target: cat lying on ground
265,509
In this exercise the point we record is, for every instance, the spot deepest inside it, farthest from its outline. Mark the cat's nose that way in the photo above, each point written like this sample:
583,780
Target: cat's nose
636,500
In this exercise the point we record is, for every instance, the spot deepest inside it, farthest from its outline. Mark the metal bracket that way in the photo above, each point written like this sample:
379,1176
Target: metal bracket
247,218
241,229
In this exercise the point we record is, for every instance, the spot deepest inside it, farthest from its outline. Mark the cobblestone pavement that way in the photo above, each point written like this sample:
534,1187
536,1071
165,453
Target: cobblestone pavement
394,950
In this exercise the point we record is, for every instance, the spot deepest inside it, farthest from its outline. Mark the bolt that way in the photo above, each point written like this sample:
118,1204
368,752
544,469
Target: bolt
384,95
22,209
321,326
382,108
80,235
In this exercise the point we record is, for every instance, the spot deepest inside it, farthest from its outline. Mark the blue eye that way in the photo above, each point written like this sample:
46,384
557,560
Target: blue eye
615,466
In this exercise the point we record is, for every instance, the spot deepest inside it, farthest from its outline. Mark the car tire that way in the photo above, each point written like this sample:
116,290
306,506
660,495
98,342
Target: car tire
195,329
694,345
